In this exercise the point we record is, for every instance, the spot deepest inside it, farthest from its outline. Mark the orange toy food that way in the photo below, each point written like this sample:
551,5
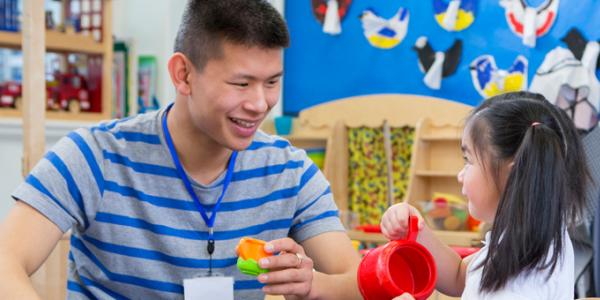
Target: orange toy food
250,251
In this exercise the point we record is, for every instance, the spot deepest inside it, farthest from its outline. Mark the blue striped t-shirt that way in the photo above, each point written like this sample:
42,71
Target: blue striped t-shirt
136,232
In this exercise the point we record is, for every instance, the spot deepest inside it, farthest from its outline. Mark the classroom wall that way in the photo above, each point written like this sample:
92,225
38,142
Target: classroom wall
321,67
152,29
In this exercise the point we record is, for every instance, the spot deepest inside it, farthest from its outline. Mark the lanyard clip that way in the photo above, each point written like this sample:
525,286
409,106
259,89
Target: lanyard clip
210,247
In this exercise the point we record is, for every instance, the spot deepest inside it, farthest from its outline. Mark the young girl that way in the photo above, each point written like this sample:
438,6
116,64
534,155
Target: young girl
524,173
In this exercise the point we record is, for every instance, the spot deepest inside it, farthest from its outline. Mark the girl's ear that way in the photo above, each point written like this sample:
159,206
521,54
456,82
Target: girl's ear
505,170
179,71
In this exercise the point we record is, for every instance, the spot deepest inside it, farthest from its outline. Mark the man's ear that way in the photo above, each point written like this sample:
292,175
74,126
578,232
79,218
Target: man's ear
179,70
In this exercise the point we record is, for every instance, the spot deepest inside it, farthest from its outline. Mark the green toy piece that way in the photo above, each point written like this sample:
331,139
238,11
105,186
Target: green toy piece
250,267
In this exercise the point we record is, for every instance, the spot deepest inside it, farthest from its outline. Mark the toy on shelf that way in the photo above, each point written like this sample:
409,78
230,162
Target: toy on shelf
402,266
68,91
9,15
317,155
85,16
373,228
147,83
250,251
121,79
448,212
10,94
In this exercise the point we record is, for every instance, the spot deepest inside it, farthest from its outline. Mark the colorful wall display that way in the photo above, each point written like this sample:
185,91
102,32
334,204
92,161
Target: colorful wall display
437,64
384,33
489,80
571,84
321,67
529,22
454,15
330,14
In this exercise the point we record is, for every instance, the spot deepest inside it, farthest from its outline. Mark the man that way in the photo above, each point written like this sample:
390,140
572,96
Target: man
163,197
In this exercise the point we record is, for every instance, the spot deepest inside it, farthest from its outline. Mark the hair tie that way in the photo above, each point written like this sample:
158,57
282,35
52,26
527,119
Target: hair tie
535,124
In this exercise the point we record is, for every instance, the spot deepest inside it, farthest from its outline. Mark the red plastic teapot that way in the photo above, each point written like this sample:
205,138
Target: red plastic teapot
402,266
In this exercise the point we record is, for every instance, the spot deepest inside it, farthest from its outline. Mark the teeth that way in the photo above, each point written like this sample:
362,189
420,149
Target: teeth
243,123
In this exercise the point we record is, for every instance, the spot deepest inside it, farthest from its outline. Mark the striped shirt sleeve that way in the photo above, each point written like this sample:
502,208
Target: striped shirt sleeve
67,183
316,211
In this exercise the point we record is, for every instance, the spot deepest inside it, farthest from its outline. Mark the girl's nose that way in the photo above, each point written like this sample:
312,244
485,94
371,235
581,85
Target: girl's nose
461,175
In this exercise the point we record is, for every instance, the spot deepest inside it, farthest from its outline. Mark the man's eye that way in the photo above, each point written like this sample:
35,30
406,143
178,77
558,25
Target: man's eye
240,84
272,82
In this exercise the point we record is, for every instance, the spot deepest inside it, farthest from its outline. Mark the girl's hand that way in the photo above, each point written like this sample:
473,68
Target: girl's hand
405,296
290,273
394,223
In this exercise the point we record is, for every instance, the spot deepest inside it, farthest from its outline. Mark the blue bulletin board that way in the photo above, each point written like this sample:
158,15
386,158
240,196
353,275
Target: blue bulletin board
320,67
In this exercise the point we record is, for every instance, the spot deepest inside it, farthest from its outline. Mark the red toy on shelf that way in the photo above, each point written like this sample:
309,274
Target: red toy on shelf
68,92
10,94
369,228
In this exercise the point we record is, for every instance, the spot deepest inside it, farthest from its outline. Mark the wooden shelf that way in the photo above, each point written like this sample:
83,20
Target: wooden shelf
10,39
82,116
57,115
304,138
367,237
435,173
306,142
459,238
453,238
57,41
70,42
440,138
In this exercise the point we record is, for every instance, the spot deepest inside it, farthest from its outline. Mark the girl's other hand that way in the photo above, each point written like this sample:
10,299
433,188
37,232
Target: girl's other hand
405,296
394,223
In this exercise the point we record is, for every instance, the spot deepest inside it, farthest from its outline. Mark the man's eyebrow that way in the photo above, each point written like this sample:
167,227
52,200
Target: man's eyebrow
251,77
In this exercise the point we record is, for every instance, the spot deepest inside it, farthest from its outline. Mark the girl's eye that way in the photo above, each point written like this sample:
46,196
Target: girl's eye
465,159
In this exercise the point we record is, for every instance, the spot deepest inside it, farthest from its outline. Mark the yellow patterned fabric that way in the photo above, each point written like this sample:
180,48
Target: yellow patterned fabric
367,174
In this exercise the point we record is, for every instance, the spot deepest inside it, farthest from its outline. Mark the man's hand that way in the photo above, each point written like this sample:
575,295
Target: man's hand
290,273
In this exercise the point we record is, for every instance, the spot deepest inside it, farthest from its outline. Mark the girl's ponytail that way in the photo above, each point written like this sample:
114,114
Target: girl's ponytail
534,198
544,189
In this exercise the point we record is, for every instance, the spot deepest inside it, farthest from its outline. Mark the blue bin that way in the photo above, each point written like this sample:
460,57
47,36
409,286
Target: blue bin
283,125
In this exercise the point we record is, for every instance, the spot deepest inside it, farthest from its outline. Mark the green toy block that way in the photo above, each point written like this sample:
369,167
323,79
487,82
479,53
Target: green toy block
250,267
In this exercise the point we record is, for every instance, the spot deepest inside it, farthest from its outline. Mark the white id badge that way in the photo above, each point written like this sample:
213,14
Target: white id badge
209,288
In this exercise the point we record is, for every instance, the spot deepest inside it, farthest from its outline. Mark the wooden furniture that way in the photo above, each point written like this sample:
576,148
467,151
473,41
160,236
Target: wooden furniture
436,157
72,43
50,279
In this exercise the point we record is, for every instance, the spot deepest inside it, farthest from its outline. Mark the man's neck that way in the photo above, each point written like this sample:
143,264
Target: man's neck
202,158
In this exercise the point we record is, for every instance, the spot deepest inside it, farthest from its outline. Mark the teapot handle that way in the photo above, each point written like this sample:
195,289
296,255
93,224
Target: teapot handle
413,228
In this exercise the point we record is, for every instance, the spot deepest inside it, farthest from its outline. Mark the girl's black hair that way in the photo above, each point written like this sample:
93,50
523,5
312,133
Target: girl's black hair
545,188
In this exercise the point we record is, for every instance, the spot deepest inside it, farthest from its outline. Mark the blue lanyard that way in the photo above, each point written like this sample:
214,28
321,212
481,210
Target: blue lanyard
209,221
